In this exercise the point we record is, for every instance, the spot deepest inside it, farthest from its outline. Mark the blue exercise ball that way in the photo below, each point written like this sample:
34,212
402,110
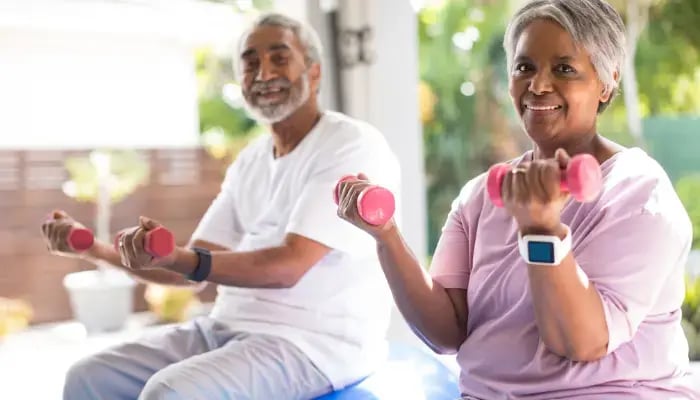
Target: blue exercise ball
407,370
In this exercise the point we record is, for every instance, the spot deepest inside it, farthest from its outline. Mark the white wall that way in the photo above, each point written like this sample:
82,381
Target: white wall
102,73
71,90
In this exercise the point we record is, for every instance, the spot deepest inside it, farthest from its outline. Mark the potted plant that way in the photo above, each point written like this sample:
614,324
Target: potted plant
102,299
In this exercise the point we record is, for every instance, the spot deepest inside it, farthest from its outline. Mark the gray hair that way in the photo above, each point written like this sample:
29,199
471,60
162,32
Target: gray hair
307,36
593,24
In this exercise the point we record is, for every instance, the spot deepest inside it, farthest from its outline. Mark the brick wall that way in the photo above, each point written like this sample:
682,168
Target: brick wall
182,184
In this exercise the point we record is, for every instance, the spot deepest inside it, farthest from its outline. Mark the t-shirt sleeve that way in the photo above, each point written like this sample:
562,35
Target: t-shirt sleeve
220,224
630,261
315,214
451,264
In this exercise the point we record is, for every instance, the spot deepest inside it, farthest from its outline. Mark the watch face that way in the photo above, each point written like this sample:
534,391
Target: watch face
540,252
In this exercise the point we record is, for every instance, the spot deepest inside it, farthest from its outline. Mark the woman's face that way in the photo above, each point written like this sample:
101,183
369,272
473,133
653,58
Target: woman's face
554,86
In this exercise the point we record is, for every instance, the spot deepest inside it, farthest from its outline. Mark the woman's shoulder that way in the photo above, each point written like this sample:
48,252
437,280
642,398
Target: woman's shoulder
634,183
634,178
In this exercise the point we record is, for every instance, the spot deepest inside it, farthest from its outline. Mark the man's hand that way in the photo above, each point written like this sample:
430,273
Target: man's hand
55,232
130,243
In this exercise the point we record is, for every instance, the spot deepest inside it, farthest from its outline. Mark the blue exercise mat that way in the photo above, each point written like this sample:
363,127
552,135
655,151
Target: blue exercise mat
408,373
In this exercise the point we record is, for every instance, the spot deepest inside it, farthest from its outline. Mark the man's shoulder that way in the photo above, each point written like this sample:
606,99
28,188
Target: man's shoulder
344,128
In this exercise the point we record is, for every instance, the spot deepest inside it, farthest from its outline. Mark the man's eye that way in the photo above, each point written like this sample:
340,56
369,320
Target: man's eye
523,67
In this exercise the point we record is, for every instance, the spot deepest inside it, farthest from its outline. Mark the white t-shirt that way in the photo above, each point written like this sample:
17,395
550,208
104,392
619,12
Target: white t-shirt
339,311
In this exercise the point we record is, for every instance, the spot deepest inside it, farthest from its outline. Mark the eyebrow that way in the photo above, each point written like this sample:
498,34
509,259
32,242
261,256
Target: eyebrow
563,58
273,47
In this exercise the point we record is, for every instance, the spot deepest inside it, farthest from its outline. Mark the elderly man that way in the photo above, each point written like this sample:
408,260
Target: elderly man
302,307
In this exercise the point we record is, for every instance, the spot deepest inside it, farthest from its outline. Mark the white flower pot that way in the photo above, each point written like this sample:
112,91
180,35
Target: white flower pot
101,300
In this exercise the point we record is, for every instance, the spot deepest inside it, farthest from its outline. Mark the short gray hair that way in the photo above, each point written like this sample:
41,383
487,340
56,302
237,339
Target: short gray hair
593,24
313,50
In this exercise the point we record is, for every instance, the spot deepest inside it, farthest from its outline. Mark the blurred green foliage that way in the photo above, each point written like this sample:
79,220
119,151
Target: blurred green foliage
128,170
688,189
468,119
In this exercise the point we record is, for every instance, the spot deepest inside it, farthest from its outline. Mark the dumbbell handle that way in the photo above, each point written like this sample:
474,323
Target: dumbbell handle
158,242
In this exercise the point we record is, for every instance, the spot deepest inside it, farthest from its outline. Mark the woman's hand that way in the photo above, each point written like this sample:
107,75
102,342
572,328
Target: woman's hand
532,193
348,193
131,247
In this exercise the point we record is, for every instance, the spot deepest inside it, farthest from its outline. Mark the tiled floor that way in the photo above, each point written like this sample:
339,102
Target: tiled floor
33,363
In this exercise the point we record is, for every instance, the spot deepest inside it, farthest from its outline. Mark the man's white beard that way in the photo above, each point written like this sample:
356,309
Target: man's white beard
269,114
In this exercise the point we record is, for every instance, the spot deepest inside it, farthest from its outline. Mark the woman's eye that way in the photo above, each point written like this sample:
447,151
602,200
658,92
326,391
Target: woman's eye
566,69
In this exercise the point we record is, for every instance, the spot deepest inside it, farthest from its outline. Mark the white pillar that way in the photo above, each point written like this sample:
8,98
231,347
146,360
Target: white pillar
384,91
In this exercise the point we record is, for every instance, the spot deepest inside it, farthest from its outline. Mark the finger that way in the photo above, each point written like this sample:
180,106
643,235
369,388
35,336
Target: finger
552,179
345,202
62,233
348,187
538,182
562,158
521,190
148,223
53,236
361,176
141,257
342,191
350,202
122,252
59,214
506,187
125,247
130,244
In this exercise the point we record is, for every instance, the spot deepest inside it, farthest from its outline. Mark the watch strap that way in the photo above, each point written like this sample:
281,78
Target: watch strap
559,248
203,268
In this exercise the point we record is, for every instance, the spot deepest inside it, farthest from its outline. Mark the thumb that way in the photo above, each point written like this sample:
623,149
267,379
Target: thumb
59,214
361,176
562,158
147,223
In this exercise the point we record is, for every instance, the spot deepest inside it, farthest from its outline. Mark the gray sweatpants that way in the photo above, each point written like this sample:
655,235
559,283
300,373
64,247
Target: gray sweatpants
201,359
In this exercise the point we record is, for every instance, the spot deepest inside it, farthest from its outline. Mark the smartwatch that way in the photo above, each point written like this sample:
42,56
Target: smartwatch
544,249
203,268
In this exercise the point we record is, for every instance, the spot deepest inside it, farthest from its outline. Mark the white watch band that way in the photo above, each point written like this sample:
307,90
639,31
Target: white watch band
544,249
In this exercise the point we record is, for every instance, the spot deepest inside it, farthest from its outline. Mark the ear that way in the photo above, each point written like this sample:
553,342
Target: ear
315,76
605,94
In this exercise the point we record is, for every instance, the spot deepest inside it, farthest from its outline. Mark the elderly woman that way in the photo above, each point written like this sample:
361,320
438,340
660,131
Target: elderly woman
600,319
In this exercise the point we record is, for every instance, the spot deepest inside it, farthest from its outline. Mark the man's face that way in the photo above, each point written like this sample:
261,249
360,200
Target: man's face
276,79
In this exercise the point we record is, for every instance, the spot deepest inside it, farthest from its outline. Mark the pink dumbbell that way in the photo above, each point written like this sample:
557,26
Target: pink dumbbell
375,204
80,239
159,242
582,179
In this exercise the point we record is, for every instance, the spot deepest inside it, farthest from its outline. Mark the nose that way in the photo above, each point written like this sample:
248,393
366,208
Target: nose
541,82
266,72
